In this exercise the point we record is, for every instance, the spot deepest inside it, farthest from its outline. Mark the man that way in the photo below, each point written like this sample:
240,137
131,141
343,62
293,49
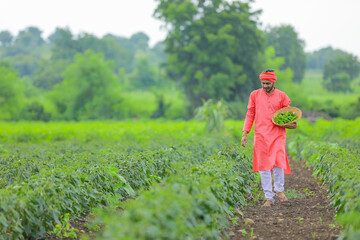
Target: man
269,139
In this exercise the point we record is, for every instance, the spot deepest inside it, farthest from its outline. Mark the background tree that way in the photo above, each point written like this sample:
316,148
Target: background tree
213,46
284,82
49,73
122,41
318,59
65,46
347,63
339,82
27,42
25,64
26,51
157,55
6,38
89,89
339,72
287,44
122,57
57,33
144,74
11,92
30,37
140,41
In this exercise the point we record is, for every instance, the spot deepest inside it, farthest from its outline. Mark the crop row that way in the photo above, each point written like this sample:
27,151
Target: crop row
40,187
192,204
339,167
22,162
343,132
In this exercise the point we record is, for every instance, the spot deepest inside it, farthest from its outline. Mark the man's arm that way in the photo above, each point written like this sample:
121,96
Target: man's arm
250,115
249,119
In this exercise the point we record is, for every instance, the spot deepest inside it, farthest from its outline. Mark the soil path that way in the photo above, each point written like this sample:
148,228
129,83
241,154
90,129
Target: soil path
306,215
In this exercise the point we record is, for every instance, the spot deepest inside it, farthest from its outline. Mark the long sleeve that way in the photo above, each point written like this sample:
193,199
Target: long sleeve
285,100
250,115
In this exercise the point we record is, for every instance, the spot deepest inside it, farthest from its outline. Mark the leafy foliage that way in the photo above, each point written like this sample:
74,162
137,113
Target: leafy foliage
45,185
49,73
287,44
42,65
200,195
214,114
336,166
144,74
215,51
11,92
89,89
339,72
284,82
65,47
318,59
6,38
340,82
25,51
188,181
213,47
286,117
326,104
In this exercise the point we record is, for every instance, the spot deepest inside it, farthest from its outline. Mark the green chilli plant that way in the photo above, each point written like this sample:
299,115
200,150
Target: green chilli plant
64,230
213,113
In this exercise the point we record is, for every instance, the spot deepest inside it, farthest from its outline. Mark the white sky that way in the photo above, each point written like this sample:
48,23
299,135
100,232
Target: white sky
319,22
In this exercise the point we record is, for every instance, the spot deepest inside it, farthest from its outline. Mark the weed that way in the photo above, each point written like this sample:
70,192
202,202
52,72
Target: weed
92,227
331,225
235,220
292,193
308,192
243,232
252,233
256,194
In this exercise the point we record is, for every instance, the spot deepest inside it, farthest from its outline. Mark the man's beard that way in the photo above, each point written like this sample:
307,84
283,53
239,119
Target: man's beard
268,89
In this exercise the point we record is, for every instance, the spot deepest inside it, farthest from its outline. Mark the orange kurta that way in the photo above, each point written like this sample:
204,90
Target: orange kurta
269,139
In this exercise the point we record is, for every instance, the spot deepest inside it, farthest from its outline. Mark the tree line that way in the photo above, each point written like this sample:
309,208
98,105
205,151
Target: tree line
65,77
213,50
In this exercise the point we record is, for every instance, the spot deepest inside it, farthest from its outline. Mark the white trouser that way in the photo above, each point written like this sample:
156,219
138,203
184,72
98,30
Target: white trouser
266,182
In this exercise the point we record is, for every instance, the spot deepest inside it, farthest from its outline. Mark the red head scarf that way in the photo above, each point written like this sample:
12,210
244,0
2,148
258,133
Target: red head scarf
268,76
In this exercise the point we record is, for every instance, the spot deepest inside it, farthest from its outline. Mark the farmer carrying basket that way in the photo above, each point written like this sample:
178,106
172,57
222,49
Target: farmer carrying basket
269,139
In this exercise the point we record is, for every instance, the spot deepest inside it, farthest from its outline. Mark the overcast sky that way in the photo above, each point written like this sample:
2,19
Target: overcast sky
319,22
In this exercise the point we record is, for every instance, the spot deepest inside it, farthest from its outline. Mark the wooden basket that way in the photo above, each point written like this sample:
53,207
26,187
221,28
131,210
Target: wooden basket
296,110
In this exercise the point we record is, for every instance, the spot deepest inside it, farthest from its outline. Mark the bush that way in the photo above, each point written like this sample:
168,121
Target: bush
35,112
338,83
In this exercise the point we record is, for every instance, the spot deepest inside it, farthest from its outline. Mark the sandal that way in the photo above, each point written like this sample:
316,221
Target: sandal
282,197
268,203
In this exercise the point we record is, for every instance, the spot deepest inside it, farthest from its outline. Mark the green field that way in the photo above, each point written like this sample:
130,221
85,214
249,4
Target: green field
51,172
179,182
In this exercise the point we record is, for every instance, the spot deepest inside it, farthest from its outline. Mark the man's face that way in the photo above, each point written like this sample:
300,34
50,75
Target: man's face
267,85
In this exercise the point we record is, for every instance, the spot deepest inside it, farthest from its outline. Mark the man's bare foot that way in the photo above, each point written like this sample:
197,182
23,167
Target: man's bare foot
268,203
282,197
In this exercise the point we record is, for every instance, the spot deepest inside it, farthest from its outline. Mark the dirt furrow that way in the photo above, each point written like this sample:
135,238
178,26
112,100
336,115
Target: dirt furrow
306,215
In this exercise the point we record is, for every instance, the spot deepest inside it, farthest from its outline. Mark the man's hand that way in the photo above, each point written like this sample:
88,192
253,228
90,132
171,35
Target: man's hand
291,125
244,139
